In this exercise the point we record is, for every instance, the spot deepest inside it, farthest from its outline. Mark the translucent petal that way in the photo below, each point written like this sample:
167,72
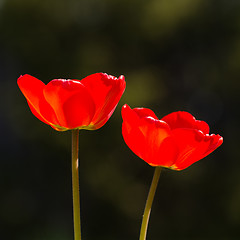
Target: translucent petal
72,103
106,92
182,119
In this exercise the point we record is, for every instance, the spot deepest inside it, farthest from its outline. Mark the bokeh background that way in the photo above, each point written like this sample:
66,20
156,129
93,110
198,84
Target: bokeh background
175,55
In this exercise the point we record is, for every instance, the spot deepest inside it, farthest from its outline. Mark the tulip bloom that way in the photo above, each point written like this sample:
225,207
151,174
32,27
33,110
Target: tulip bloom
73,104
176,141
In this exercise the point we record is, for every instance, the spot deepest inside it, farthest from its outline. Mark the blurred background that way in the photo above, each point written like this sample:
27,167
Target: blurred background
175,55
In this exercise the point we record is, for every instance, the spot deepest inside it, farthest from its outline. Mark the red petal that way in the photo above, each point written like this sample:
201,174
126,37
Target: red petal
148,138
32,89
215,142
136,114
145,112
167,153
129,115
192,145
106,92
71,102
130,131
185,120
160,147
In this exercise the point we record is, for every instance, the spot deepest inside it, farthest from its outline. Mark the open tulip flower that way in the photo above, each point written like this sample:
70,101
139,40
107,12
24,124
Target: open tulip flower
73,104
176,141
66,104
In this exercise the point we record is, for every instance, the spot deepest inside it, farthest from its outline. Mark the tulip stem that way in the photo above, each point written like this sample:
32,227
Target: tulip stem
75,185
149,202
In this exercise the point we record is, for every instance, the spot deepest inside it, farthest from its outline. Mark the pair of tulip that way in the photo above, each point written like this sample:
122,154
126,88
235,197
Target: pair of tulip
176,141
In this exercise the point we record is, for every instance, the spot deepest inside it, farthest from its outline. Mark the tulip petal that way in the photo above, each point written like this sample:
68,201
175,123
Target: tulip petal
166,153
132,135
182,119
72,103
161,148
215,142
148,137
192,145
145,112
106,92
136,114
32,89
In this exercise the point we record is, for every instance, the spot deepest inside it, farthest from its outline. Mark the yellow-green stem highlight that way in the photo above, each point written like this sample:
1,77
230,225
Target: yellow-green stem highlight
148,206
75,185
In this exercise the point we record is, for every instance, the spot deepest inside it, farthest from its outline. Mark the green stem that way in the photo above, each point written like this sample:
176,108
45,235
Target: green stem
149,202
75,185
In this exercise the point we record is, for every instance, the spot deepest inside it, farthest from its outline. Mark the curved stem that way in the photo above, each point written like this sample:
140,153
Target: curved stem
75,185
149,202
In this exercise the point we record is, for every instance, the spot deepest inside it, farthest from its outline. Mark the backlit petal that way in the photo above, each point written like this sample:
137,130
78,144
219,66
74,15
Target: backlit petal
192,145
72,103
161,149
215,142
145,112
147,137
166,153
32,89
106,92
132,135
182,119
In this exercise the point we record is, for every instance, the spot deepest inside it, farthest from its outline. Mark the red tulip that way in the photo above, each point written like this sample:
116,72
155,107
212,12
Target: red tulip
73,104
176,141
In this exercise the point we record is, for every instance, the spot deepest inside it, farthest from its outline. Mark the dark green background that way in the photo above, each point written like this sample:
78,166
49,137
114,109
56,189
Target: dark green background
175,55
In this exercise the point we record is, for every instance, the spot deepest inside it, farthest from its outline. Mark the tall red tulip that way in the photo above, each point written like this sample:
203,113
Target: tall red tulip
66,104
176,141
73,104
